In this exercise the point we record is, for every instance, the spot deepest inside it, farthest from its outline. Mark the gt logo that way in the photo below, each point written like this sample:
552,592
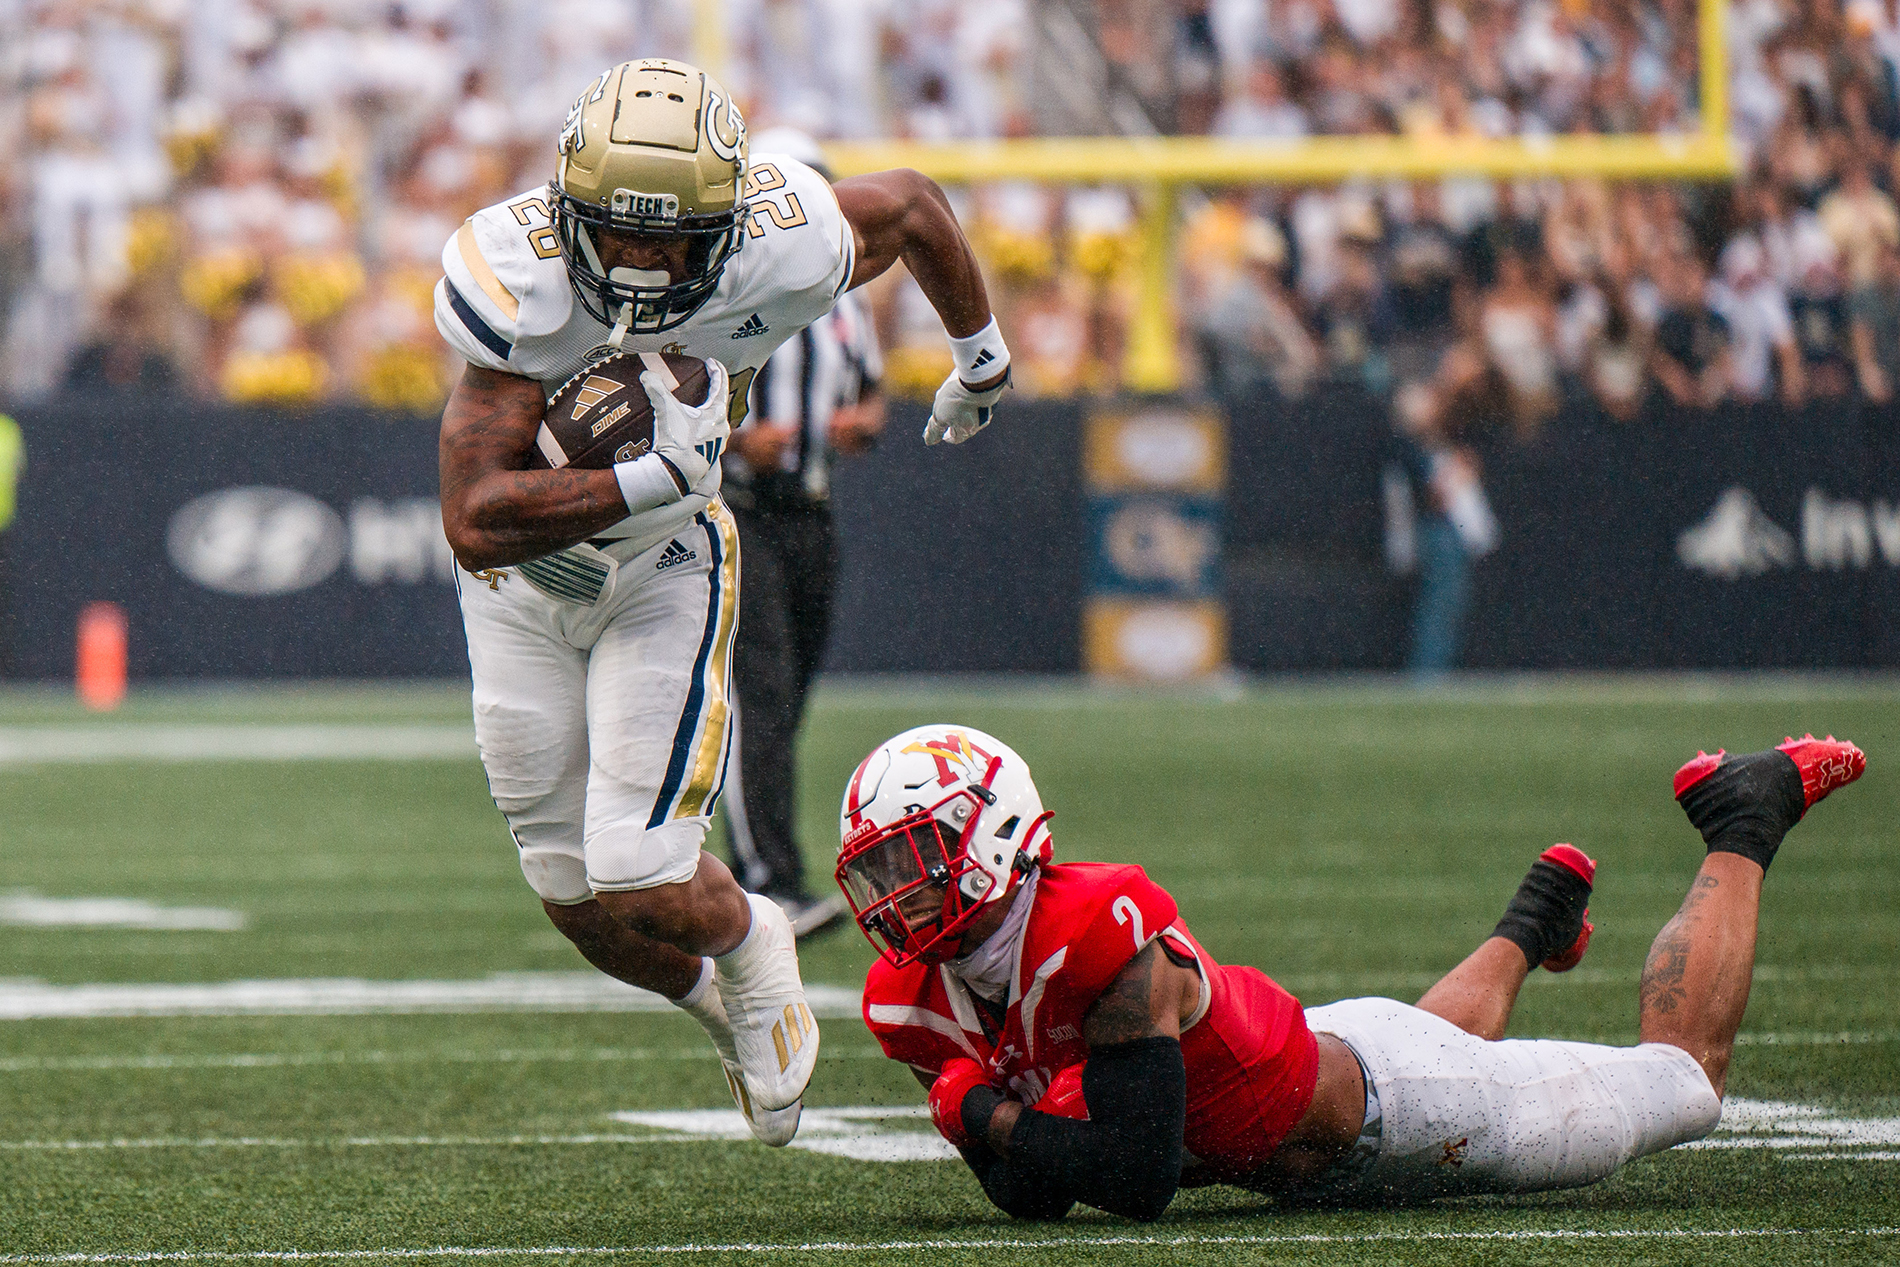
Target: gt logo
1454,1152
717,108
574,131
1126,912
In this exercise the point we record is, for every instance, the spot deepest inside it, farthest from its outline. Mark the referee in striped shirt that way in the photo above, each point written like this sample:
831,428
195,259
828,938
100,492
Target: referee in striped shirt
817,397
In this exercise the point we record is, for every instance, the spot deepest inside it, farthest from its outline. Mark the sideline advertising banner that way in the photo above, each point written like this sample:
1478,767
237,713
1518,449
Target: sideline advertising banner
250,543
1147,541
1156,472
240,543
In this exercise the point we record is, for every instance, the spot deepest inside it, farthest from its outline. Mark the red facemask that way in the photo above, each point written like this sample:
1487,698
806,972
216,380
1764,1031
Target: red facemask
905,881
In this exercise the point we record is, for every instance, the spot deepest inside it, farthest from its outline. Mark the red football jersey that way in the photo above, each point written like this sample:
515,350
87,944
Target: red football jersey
1251,1062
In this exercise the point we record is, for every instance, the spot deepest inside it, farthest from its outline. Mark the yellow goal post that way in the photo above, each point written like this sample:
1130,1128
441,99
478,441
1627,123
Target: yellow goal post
1159,166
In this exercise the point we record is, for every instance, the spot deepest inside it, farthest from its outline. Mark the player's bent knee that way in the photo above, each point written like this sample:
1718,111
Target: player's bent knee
547,840
627,857
557,876
1683,1105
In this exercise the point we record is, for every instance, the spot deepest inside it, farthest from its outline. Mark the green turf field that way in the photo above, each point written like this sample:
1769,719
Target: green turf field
1347,839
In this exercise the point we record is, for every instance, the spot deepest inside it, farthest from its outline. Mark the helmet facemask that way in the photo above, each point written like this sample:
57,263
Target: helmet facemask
646,301
913,884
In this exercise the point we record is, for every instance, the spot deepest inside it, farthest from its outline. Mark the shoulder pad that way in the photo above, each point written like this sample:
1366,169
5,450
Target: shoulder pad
1118,911
507,265
799,228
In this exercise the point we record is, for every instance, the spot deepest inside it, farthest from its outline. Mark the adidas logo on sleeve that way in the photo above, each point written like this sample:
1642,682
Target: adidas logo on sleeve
751,327
674,555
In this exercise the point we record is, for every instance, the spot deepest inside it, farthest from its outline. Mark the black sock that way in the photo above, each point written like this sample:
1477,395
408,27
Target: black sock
1545,918
1747,805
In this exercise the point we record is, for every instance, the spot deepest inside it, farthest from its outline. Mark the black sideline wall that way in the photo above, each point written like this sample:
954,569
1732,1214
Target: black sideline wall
272,544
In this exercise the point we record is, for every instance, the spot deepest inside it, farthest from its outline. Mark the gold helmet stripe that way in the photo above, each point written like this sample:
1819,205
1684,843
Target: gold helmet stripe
484,275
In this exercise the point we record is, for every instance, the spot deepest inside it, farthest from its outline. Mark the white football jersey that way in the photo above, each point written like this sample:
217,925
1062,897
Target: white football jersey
505,304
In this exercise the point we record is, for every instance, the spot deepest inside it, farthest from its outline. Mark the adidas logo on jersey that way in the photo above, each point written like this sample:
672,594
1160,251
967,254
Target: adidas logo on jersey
751,327
674,555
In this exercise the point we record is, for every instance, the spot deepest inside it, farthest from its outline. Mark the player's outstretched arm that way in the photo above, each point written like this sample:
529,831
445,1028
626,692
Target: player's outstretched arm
495,513
1125,1158
903,215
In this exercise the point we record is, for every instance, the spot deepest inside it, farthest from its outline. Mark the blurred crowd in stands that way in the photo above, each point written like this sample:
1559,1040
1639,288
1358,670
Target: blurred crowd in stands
248,198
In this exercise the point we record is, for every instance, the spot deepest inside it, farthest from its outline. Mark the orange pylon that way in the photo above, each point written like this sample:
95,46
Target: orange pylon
101,663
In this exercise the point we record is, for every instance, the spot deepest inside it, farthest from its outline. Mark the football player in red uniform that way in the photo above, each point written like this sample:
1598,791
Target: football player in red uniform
1080,1045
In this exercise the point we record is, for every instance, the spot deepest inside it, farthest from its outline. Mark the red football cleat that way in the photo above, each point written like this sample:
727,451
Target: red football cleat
1574,859
1825,764
1693,772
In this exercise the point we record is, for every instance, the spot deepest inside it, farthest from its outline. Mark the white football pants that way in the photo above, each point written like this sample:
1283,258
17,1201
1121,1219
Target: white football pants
605,727
1459,1115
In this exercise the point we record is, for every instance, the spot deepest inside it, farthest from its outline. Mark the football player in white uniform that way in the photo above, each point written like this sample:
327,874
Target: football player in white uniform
601,603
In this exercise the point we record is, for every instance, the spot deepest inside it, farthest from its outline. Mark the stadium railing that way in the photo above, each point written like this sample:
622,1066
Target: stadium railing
1161,166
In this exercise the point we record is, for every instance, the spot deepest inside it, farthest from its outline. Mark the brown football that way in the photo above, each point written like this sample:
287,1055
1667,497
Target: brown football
602,415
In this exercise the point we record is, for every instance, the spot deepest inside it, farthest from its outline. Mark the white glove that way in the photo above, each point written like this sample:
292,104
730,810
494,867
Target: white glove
959,413
690,437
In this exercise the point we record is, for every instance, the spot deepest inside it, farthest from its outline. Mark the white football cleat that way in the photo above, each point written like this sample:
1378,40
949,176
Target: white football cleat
773,1031
772,1127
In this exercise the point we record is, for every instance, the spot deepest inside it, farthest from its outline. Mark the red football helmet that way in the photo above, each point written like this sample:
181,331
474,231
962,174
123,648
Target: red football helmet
936,823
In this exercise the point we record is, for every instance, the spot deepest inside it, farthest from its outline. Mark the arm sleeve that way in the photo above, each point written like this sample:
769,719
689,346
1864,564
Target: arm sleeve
1014,1190
1125,1158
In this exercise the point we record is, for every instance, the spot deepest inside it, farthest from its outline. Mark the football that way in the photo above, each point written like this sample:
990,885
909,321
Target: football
602,415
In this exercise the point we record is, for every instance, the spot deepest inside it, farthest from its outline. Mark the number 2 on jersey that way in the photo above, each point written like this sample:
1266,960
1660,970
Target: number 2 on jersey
1126,912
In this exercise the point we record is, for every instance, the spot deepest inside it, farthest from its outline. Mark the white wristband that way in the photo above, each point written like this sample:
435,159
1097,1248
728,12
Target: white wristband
646,482
980,356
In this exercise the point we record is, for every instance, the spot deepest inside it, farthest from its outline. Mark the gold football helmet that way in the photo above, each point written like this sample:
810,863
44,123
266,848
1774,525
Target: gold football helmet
657,148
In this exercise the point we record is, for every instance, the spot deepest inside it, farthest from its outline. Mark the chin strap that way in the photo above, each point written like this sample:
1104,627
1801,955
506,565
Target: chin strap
631,277
617,339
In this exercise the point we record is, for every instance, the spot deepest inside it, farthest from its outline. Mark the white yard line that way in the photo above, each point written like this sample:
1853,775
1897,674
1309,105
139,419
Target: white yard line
303,1059
1320,983
1782,1126
499,992
563,1055
1816,1038
28,909
351,1141
885,1133
1055,1243
28,999
85,745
